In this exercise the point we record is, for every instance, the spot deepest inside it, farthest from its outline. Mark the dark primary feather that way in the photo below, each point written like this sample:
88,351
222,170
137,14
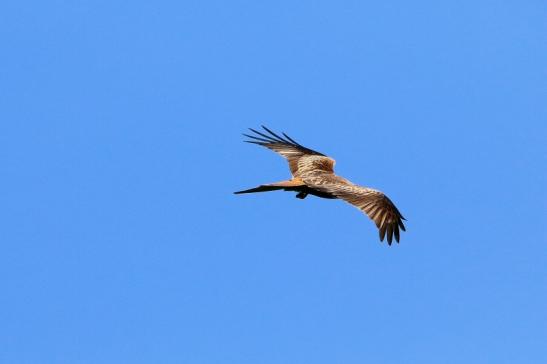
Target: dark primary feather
273,140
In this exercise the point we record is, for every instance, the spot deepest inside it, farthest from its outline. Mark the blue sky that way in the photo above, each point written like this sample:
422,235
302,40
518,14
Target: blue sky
120,146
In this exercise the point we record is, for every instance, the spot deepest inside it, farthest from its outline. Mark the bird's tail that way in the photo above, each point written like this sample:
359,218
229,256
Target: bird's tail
289,185
261,188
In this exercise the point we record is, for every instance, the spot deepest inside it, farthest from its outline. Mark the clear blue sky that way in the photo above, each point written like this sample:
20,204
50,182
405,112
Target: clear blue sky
120,147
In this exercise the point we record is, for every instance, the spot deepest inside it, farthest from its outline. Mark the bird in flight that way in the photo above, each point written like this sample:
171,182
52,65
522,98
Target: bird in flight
313,174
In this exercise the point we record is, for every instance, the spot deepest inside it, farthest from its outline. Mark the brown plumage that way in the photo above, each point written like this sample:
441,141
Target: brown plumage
313,173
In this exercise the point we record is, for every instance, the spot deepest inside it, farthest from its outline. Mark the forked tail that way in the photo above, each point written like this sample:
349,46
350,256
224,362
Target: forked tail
291,185
263,188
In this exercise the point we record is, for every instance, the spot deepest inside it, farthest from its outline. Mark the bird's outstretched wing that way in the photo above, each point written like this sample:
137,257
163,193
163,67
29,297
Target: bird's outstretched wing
294,152
374,203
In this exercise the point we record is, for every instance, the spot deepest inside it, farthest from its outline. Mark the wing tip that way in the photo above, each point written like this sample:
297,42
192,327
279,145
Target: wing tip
269,137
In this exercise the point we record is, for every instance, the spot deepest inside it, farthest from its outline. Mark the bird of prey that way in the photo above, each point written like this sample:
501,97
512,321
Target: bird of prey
313,174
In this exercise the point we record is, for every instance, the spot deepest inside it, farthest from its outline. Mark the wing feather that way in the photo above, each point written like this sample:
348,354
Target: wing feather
374,203
285,146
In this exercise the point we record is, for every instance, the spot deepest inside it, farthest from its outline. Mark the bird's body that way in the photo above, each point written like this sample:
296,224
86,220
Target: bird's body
313,174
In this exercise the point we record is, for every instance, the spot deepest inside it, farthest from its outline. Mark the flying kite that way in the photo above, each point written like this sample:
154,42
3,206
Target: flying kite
313,174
